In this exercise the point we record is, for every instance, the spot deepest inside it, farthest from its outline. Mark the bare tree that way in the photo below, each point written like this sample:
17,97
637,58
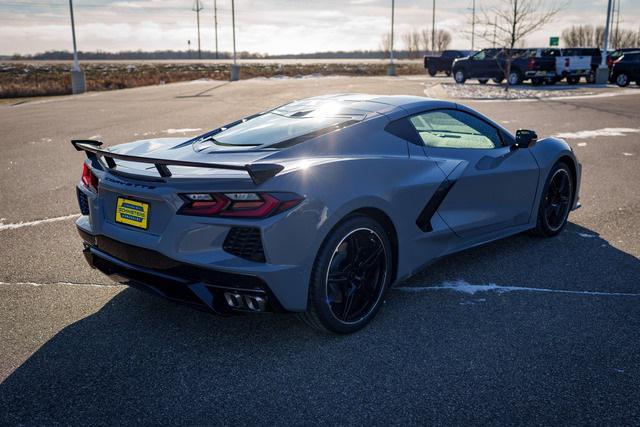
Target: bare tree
385,43
425,40
623,38
516,19
586,36
442,40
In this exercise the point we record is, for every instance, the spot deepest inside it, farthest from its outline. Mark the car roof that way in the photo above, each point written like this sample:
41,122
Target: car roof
360,103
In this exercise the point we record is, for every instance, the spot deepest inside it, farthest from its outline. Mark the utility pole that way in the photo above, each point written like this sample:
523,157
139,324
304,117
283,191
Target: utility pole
197,7
235,70
433,27
77,76
473,25
215,23
602,75
495,29
617,35
391,68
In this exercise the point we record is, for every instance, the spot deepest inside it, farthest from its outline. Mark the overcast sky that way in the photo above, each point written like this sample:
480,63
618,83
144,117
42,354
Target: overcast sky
267,26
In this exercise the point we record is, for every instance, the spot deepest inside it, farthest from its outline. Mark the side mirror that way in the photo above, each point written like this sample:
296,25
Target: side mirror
525,138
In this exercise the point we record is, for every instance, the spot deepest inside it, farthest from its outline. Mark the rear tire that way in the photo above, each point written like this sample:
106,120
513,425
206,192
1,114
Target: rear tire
573,80
537,81
622,80
556,201
432,72
515,78
459,76
483,81
350,276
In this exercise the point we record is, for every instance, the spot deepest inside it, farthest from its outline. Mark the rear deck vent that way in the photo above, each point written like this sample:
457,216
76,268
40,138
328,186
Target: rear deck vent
83,201
245,242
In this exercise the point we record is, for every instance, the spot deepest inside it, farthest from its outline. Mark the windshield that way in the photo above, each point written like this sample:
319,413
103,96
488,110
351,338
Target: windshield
271,128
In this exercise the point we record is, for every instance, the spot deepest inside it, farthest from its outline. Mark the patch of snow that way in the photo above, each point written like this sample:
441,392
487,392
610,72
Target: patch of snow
185,130
597,132
587,235
582,144
95,136
21,224
627,154
471,289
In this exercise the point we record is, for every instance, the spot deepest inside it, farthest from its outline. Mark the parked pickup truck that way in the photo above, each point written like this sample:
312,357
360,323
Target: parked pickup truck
535,64
434,64
578,62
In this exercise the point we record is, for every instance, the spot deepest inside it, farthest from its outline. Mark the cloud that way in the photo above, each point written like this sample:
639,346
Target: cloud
274,26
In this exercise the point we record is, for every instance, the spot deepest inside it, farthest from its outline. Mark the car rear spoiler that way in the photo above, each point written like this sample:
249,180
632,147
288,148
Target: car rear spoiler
259,172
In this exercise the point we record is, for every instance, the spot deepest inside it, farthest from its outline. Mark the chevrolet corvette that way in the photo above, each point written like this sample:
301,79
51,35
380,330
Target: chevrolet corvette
316,207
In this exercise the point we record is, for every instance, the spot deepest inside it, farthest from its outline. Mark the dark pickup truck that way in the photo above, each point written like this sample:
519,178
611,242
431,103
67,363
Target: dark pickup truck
538,64
434,64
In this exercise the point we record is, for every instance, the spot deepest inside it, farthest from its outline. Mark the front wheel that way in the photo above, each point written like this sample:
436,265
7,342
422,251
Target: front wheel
515,78
350,276
459,77
555,204
622,80
432,71
483,81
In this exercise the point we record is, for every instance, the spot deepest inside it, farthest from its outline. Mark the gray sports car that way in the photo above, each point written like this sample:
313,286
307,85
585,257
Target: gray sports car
317,206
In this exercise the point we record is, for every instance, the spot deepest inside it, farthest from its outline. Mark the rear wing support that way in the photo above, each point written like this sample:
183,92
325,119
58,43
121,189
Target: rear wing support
259,172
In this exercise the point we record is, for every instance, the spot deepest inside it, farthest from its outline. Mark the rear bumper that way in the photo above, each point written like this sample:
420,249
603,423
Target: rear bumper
199,287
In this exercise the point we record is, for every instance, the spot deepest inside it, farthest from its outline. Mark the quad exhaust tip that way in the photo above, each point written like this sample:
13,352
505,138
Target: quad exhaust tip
245,302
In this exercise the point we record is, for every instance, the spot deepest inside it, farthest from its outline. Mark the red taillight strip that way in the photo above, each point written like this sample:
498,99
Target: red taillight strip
223,206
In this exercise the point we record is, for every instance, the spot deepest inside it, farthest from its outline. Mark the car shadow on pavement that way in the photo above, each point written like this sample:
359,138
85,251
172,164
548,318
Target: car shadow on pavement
427,356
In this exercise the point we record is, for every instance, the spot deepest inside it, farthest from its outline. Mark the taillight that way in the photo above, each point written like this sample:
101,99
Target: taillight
531,63
610,61
243,205
89,180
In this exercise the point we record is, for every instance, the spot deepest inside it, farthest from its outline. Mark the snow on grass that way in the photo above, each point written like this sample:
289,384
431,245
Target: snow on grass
582,144
627,154
583,134
464,287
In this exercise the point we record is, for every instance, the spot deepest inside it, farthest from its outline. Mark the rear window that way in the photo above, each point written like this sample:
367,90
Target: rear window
274,127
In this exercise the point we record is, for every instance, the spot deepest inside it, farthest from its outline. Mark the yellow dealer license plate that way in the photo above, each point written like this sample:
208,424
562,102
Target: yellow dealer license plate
133,213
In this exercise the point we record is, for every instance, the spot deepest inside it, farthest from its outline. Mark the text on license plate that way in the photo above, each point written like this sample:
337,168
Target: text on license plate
132,212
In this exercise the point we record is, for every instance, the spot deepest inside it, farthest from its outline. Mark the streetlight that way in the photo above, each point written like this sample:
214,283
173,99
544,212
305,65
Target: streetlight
391,68
602,74
77,76
197,7
235,70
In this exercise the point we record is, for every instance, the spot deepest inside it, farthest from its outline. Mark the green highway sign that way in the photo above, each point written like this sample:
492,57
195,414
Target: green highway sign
554,41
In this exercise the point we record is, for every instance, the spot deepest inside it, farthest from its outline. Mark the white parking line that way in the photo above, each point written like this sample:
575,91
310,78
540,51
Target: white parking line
470,289
90,285
21,224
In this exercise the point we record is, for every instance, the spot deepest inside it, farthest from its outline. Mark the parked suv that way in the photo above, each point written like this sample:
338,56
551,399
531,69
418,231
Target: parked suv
535,64
434,64
626,69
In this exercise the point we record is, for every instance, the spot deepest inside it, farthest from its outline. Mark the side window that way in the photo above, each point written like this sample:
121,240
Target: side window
455,129
479,56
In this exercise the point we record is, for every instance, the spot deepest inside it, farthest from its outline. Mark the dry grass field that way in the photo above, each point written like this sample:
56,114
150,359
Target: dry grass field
45,79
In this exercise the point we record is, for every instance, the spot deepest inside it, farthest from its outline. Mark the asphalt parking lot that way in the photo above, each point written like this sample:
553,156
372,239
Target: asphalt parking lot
552,337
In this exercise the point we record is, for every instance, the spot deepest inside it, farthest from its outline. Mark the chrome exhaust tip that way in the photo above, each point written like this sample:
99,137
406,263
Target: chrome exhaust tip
234,300
255,303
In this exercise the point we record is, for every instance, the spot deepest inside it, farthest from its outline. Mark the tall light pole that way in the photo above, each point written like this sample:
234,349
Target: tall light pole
197,7
77,76
433,27
473,25
602,75
215,23
391,68
235,70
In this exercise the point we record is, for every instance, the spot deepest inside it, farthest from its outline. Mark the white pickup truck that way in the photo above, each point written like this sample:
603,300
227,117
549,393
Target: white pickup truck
574,63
